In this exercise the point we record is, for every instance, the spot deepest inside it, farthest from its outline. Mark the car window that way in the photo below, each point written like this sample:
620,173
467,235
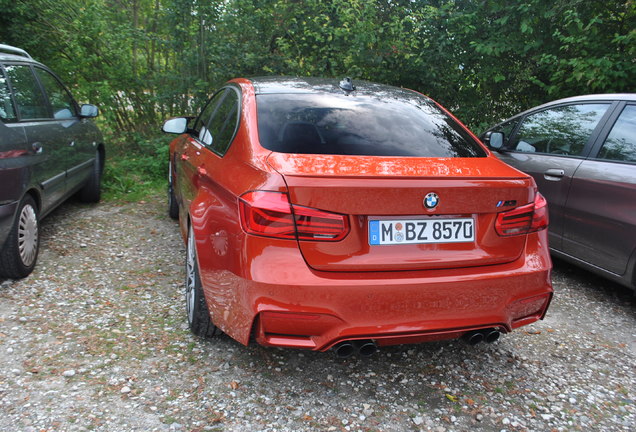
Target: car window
27,92
201,124
7,112
506,128
61,102
620,144
223,122
563,130
396,123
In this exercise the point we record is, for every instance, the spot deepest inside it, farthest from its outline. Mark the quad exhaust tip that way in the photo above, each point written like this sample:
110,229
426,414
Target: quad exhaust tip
364,348
485,335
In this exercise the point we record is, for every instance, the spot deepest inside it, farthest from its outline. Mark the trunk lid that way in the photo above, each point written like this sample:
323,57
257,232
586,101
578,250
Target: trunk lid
389,192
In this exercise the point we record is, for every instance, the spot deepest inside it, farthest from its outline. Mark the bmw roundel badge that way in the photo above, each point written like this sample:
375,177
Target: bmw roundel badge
431,200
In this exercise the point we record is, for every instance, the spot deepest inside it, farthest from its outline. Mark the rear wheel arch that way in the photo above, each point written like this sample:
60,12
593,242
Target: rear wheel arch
19,253
197,312
37,197
631,270
173,205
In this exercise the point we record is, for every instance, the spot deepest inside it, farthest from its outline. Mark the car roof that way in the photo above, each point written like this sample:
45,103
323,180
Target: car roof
282,84
631,97
14,50
15,54
10,58
601,97
13,58
595,97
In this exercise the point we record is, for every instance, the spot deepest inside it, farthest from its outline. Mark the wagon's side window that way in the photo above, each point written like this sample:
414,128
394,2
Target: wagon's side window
7,112
27,92
60,100
563,130
620,144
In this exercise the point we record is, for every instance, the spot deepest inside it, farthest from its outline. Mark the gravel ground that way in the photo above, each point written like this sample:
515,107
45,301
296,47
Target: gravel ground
96,339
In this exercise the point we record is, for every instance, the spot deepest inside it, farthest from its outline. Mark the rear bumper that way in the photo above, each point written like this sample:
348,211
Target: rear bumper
285,303
7,214
417,312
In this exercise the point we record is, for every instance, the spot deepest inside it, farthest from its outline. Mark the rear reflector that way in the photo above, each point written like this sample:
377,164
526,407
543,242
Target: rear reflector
270,214
523,220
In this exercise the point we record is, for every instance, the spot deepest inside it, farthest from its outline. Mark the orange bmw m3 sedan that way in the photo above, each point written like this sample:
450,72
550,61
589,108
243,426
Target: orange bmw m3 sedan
335,214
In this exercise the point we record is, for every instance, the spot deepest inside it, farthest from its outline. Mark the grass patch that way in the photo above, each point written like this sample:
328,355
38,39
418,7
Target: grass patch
136,167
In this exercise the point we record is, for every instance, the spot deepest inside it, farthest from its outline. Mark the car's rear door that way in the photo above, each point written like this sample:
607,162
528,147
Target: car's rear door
600,214
15,155
74,134
199,156
49,152
550,145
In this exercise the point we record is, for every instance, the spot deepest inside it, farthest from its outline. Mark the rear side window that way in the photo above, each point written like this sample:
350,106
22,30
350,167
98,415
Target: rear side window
390,124
7,112
620,144
27,92
201,125
224,121
60,100
218,121
563,130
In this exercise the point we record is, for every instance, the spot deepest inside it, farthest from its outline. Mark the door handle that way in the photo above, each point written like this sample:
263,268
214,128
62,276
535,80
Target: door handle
37,147
553,174
184,157
202,171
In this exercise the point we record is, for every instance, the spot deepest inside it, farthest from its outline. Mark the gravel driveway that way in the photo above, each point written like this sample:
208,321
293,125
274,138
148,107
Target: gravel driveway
96,339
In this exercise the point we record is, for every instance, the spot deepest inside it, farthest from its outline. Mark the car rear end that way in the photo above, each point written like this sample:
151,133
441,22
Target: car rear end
374,264
393,225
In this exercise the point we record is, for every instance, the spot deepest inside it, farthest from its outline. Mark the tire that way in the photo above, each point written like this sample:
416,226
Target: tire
91,191
20,251
173,205
199,320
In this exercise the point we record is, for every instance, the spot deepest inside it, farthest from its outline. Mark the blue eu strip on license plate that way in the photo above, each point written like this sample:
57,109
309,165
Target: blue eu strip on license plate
421,231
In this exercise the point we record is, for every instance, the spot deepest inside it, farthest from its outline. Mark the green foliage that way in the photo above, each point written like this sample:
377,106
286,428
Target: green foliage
142,61
136,167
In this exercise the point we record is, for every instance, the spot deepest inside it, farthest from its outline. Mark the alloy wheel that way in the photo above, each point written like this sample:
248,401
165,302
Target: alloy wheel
190,288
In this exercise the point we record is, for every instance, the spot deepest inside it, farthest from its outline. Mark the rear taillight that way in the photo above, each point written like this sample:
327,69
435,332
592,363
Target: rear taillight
270,214
525,219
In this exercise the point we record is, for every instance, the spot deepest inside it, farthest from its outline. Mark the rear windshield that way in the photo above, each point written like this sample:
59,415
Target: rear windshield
400,124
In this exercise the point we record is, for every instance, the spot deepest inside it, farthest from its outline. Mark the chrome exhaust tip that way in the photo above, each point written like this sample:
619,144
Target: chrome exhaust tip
344,350
366,348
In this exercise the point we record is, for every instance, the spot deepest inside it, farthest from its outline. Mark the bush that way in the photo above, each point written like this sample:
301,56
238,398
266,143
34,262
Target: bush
136,166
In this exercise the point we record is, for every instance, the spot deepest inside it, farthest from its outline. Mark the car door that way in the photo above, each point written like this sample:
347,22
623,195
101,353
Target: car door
199,157
74,134
42,134
600,214
187,155
15,155
550,145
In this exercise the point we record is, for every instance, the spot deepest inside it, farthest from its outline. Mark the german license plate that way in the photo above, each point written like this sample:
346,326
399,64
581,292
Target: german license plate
420,231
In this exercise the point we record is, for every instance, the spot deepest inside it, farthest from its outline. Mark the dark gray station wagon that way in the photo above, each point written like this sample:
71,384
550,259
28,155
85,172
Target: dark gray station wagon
581,151
49,150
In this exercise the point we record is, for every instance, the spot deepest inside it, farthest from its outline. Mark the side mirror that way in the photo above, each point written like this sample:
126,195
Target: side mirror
494,140
176,125
89,111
